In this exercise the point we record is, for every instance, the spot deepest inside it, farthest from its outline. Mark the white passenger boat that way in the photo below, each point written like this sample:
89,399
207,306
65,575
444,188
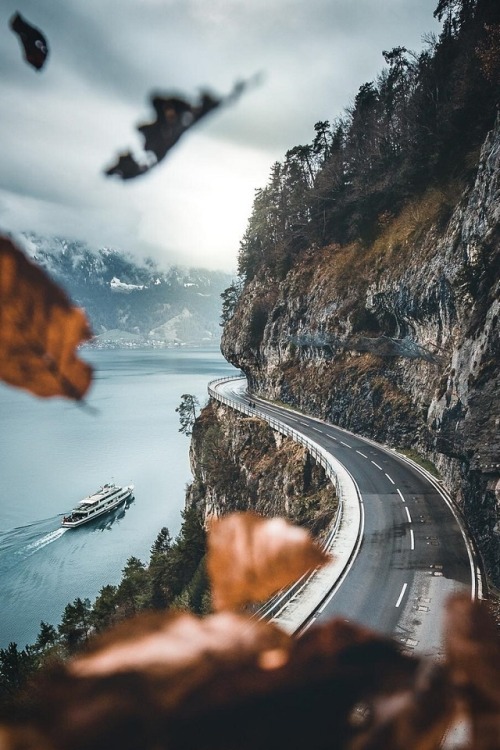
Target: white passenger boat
107,498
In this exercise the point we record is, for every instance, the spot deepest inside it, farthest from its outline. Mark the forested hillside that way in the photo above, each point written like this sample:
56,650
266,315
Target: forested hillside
417,127
370,269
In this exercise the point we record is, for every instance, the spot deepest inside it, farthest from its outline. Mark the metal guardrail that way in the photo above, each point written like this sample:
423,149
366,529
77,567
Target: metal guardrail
320,455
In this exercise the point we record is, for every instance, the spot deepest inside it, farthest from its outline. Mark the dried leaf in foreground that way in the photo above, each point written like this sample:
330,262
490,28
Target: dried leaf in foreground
39,330
473,657
228,682
249,558
225,682
34,43
180,643
173,117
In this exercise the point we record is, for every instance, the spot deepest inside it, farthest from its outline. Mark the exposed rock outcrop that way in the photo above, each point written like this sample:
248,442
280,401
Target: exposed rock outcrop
240,463
397,340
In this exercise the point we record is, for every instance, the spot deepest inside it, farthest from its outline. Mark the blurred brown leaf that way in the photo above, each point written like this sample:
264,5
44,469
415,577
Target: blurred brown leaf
39,330
179,643
416,716
225,682
250,557
473,656
174,116
174,681
33,42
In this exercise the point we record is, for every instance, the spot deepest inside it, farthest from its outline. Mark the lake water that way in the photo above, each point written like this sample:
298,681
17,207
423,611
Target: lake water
53,453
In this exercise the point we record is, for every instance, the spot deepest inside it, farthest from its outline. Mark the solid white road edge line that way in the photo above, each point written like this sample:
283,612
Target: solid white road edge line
354,552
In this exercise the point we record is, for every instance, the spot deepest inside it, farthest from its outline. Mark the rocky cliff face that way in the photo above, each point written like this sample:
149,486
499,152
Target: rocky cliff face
397,340
240,463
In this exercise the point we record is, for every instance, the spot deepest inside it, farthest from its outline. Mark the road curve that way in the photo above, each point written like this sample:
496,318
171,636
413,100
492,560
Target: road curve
413,553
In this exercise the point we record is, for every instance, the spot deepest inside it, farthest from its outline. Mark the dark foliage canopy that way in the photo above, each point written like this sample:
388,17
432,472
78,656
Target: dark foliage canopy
419,124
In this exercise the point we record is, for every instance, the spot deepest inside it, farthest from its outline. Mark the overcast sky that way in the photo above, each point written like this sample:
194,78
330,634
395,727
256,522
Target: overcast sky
60,127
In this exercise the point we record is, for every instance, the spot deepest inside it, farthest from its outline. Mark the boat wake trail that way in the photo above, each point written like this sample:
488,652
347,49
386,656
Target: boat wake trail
47,539
18,544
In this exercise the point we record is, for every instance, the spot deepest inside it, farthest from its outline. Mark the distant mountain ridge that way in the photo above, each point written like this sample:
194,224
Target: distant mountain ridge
133,303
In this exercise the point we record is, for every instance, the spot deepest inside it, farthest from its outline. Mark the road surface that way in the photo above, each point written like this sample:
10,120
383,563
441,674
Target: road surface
413,552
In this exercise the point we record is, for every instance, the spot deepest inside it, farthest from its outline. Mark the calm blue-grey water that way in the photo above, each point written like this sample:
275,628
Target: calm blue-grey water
53,453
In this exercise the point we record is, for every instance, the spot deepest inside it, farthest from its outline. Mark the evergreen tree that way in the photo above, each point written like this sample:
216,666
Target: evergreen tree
46,638
191,542
162,543
132,593
75,625
187,413
16,666
171,572
105,608
230,297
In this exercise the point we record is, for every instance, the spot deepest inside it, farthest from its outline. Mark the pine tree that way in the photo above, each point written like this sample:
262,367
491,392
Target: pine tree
187,413
132,593
162,543
15,668
230,297
104,611
75,624
46,637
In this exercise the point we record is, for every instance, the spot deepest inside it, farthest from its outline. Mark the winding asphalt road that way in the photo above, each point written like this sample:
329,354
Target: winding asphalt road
412,551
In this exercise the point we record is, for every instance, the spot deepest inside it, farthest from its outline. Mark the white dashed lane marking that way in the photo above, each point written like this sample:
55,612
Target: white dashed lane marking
401,594
390,478
408,514
361,454
378,467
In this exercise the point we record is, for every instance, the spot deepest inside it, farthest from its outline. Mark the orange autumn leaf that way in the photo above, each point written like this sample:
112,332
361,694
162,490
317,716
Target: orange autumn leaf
39,330
249,558
182,645
226,681
472,649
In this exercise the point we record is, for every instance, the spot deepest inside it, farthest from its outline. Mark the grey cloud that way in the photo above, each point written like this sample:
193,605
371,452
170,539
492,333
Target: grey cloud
61,127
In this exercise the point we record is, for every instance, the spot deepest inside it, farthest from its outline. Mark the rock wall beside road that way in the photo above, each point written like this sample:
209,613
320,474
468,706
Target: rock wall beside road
398,340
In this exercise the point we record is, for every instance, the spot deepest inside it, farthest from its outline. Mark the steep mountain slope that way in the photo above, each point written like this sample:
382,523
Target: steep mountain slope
397,339
131,303
369,273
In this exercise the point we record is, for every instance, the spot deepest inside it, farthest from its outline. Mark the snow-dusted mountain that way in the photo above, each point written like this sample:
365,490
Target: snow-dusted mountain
129,302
